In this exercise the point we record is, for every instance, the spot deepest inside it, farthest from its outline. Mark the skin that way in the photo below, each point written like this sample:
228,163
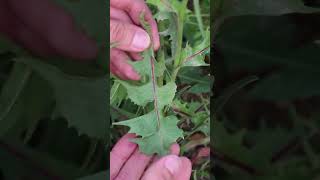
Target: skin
131,38
126,162
45,29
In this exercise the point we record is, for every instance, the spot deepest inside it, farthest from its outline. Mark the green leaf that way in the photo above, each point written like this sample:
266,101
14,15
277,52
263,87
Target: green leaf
10,108
295,66
117,93
200,88
19,162
194,56
230,91
141,95
144,68
154,139
202,122
287,85
191,58
201,83
82,101
13,88
230,143
262,7
87,14
157,132
174,12
39,103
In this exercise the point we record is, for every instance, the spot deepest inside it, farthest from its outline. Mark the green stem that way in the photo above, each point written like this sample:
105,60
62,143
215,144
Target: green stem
205,104
195,129
198,16
175,73
180,19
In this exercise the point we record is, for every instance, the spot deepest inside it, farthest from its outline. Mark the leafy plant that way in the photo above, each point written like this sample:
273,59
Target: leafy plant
267,129
53,117
171,101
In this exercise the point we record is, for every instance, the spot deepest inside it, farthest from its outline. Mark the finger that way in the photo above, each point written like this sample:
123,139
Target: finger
116,72
119,60
15,30
135,56
119,15
32,42
128,37
170,167
174,150
53,24
135,166
184,174
134,9
121,153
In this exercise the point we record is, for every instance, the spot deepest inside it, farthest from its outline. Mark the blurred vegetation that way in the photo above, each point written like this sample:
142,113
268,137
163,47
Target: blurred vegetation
53,112
266,64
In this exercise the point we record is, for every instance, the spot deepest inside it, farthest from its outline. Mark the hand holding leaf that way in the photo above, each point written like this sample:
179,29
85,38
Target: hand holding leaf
157,131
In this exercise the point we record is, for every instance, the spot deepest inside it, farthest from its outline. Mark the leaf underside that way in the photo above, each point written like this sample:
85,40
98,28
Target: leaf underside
156,132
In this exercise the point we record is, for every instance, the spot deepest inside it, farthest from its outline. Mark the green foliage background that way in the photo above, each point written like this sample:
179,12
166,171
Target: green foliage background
53,112
183,80
266,56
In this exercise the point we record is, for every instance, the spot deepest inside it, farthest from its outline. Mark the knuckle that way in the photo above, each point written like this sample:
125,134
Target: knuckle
117,31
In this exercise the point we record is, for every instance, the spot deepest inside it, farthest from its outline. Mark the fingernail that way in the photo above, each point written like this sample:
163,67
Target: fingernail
141,40
173,163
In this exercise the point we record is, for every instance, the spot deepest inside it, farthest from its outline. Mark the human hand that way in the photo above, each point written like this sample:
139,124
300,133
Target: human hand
126,32
127,163
45,29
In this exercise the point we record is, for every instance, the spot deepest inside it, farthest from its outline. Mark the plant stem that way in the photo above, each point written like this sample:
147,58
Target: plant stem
177,55
205,104
229,160
198,16
175,73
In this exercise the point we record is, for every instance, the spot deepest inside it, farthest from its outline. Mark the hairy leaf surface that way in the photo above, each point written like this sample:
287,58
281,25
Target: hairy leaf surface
157,132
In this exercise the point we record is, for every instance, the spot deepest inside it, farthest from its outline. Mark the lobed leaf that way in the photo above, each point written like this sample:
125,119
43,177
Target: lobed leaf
157,133
230,8
82,101
154,139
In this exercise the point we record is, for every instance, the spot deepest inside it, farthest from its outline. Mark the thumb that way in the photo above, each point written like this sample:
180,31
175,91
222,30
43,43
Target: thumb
170,167
128,37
